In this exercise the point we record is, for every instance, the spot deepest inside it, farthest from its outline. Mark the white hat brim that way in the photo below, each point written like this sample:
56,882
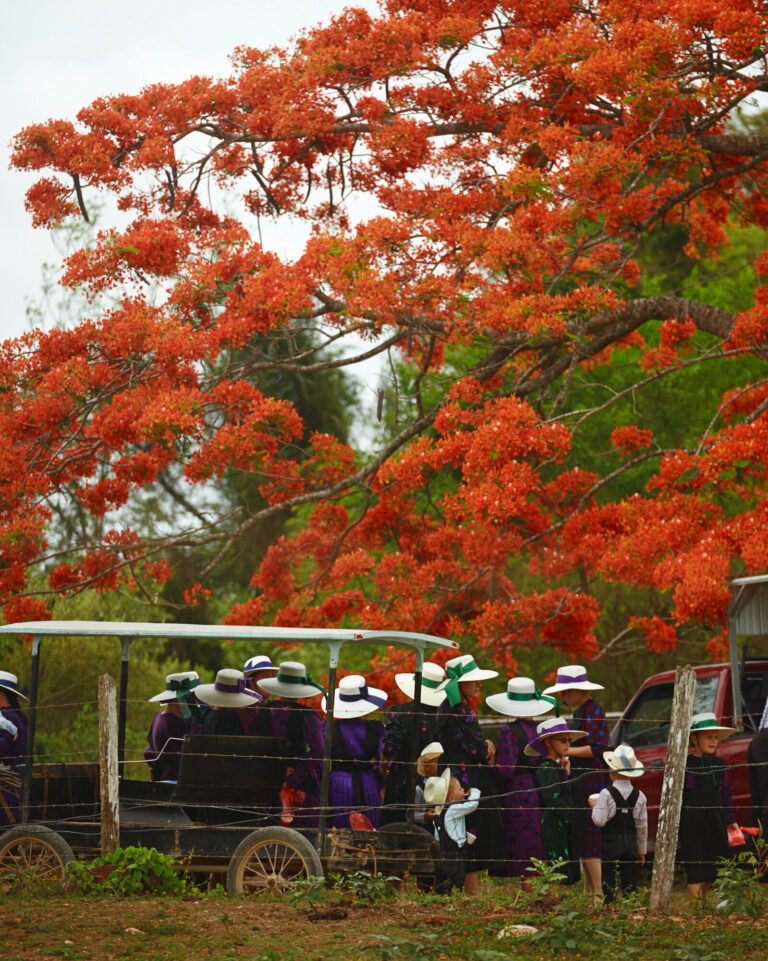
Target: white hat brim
431,696
531,751
618,766
208,694
164,696
722,732
576,686
13,690
260,670
445,779
478,674
359,708
505,705
292,691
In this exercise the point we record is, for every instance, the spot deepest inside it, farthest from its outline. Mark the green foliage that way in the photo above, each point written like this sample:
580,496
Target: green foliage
547,876
310,891
697,952
569,930
130,870
428,946
738,882
367,888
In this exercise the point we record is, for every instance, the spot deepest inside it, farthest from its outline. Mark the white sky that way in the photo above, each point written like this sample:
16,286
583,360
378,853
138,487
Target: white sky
56,56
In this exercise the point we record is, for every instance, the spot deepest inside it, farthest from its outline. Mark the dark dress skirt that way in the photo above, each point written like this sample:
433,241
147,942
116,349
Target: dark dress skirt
164,743
12,753
355,780
588,776
466,753
557,803
397,750
707,809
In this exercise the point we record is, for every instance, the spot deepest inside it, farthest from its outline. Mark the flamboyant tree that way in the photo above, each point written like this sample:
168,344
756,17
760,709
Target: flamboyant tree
477,181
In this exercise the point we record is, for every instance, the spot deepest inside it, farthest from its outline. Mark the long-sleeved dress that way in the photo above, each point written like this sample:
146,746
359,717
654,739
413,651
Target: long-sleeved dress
556,800
355,779
164,743
397,750
520,800
706,812
466,753
588,776
12,753
302,729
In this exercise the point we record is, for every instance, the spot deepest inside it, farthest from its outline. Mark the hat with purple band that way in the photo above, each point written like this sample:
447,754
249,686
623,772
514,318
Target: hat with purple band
572,677
706,723
228,690
432,676
354,698
552,727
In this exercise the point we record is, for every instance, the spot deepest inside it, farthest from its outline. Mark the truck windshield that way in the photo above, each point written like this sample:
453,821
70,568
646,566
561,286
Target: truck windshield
647,722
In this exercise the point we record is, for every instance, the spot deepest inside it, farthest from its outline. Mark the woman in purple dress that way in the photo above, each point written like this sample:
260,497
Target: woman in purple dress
301,728
166,732
471,757
520,809
255,719
356,781
588,772
13,748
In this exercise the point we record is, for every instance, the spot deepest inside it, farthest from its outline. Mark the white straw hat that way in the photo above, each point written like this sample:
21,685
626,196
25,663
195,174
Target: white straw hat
432,677
432,750
623,761
260,662
707,723
354,698
175,684
436,790
291,681
521,699
10,682
549,728
228,690
462,668
572,677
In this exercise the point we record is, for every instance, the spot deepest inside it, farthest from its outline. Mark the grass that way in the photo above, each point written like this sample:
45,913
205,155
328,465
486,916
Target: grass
409,926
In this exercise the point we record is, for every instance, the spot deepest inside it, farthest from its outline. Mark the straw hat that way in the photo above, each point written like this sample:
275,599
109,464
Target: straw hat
572,677
260,662
436,790
292,681
706,723
623,761
462,668
10,682
549,728
354,698
521,699
432,677
228,690
430,752
175,684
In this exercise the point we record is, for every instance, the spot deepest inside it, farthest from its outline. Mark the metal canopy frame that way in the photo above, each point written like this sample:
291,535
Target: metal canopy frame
128,632
747,616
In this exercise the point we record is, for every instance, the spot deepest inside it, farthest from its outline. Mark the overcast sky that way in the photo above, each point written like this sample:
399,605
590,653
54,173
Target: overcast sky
56,56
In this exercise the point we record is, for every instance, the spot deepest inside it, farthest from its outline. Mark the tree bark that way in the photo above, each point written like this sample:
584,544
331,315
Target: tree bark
108,778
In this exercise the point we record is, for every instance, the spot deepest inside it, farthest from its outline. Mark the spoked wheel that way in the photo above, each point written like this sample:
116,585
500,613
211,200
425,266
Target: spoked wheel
33,853
271,859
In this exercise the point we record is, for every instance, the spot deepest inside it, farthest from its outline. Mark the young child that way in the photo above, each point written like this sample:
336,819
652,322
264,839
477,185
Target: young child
450,827
551,744
707,806
621,812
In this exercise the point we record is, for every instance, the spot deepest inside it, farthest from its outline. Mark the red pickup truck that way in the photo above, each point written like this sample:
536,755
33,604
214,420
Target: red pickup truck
645,726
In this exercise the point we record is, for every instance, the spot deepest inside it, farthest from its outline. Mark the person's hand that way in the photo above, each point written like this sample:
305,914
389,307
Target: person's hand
491,751
565,763
430,815
642,860
384,767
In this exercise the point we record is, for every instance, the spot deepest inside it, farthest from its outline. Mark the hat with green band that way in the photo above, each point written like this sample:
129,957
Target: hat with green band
706,723
175,685
432,677
291,681
522,699
462,668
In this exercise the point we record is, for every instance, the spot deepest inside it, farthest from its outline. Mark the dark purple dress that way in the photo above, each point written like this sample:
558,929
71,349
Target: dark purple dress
164,743
12,753
302,729
520,809
355,779
397,750
588,776
466,753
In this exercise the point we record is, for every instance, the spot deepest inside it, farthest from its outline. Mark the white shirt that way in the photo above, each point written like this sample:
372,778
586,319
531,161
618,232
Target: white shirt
455,814
605,809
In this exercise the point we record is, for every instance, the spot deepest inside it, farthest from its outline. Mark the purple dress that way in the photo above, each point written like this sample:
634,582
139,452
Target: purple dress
12,753
164,743
355,779
302,729
588,775
520,809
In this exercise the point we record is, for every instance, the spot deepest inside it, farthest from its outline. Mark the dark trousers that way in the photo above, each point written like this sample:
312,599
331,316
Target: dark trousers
629,875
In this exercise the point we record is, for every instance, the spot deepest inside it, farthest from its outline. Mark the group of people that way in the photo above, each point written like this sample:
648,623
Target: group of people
547,790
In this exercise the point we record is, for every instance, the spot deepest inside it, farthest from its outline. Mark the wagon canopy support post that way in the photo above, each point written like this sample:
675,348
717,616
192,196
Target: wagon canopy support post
108,776
672,789
125,655
414,747
325,782
26,788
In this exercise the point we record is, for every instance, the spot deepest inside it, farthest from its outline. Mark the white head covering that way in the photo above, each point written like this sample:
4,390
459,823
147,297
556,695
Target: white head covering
623,761
292,681
259,662
228,690
354,698
521,699
706,722
432,677
10,682
572,677
176,684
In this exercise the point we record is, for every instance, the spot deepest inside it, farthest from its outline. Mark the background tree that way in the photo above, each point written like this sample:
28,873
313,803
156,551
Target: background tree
483,184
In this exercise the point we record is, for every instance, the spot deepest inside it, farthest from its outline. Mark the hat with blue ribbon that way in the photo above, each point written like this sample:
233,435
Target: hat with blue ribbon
10,682
258,663
354,698
623,761
462,668
522,699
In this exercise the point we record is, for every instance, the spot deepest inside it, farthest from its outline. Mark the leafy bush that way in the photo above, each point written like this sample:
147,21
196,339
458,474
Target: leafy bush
126,871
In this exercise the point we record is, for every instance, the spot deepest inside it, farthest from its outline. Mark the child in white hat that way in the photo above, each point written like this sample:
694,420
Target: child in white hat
622,814
451,828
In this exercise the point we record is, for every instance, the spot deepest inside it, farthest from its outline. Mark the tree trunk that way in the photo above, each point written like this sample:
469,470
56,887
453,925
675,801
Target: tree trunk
108,778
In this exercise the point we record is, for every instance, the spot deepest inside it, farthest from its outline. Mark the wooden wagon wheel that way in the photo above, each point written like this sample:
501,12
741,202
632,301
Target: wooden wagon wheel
32,853
271,859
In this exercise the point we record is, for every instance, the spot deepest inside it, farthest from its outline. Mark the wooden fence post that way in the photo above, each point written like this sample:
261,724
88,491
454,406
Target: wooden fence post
108,777
672,789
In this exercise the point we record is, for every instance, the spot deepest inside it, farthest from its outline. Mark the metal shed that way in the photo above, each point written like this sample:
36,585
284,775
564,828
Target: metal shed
747,617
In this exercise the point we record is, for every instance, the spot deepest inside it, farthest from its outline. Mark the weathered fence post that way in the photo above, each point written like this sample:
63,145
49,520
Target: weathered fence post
108,778
672,789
